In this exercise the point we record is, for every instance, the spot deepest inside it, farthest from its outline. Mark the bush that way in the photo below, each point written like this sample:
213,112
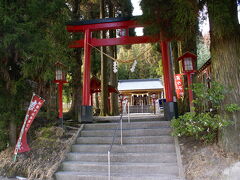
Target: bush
204,123
202,126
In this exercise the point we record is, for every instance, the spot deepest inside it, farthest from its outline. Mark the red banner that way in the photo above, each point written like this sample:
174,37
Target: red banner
35,105
179,86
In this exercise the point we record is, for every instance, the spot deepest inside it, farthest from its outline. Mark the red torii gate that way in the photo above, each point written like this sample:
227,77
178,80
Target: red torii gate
89,26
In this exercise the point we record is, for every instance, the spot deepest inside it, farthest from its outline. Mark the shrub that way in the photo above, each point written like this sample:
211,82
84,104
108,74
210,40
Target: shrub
203,126
204,123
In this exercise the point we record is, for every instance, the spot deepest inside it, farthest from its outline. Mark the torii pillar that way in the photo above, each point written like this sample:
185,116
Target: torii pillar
86,109
170,107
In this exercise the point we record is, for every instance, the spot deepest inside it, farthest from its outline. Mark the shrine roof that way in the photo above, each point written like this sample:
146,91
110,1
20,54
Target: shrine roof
139,84
205,65
98,21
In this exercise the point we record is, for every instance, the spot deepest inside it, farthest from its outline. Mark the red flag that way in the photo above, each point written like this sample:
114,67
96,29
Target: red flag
35,105
179,85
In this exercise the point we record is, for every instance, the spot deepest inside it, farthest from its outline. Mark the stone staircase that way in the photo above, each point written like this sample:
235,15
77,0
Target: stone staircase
148,153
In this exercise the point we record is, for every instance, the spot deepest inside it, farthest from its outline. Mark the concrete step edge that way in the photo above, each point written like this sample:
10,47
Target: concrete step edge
114,174
135,137
140,122
135,128
124,153
102,164
119,145
127,129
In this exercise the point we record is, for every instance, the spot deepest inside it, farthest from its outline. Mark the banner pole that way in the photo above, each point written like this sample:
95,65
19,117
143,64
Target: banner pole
21,132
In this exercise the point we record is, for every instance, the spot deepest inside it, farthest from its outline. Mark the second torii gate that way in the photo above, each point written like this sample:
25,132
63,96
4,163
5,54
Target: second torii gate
89,26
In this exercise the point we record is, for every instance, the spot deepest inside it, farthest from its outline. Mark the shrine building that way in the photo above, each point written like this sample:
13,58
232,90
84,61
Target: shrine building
141,92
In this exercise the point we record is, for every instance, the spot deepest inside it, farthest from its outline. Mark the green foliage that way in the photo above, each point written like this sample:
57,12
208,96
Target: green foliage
205,122
203,126
12,106
3,134
212,96
173,18
33,38
148,65
50,133
232,108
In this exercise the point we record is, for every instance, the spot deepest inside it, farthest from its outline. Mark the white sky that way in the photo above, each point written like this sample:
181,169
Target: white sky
137,12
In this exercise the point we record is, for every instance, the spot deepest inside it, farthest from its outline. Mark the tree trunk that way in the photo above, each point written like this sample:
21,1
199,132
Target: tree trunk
12,132
104,69
76,87
113,77
77,74
225,58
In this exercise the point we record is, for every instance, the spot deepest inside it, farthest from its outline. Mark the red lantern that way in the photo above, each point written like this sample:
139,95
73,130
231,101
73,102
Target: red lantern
60,74
188,61
188,64
60,79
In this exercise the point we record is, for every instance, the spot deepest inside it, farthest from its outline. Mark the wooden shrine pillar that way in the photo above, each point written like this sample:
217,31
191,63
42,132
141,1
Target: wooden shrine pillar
170,107
86,110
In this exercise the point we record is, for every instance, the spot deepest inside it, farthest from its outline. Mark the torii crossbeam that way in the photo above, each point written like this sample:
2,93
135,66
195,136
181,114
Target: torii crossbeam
89,26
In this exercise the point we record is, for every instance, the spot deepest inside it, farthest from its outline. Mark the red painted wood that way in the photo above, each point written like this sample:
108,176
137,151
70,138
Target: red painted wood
104,26
95,85
190,93
87,69
60,105
116,41
187,54
166,72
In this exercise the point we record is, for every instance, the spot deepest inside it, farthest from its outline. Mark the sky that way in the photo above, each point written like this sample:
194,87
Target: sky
137,12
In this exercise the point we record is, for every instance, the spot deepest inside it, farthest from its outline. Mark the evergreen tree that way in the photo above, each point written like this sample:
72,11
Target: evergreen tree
32,40
225,59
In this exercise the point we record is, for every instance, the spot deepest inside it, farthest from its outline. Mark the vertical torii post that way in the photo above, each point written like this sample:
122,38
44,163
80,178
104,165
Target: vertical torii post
86,110
170,107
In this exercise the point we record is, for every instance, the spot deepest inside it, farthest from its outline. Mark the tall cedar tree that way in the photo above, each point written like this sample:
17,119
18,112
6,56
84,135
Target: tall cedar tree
122,8
225,46
225,57
104,110
31,41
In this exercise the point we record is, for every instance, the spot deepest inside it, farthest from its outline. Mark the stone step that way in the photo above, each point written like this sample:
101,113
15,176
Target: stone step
125,119
124,157
117,167
129,132
126,140
129,148
76,175
146,124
